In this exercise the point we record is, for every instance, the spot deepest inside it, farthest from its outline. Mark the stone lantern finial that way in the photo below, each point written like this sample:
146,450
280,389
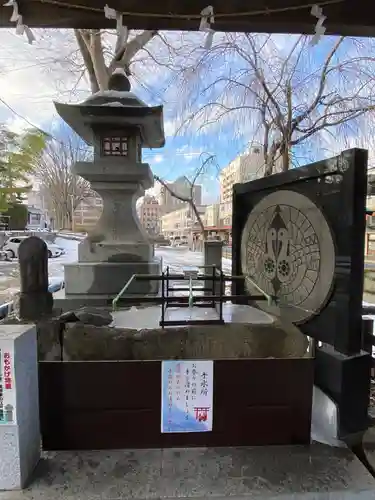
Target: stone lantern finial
119,81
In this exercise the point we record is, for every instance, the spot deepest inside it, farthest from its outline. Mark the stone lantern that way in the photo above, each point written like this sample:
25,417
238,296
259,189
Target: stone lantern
118,125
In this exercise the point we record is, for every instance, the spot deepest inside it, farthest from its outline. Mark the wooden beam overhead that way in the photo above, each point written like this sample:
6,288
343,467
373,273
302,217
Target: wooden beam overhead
345,17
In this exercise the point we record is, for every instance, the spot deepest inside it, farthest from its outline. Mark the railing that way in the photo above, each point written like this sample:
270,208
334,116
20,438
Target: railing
208,299
214,300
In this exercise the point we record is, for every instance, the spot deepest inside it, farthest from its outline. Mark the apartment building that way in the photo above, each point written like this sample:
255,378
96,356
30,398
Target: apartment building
168,203
149,213
212,215
225,213
244,168
180,224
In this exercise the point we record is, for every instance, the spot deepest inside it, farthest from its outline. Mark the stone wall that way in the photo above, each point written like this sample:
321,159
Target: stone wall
87,342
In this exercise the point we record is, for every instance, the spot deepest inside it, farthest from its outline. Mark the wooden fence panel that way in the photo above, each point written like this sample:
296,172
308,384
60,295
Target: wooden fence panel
115,405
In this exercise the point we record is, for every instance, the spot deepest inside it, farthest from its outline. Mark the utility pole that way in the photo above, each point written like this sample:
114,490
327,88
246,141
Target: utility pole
72,210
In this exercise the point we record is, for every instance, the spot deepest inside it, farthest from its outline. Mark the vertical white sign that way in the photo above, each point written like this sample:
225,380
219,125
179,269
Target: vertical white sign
7,384
186,396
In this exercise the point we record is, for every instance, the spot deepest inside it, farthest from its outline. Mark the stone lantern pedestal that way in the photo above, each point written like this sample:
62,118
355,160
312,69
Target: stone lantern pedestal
118,125
118,247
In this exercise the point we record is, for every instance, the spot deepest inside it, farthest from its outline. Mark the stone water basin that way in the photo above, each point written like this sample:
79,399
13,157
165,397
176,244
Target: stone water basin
136,335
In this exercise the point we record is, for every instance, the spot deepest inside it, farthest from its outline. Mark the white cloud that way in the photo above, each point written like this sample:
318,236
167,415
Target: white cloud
170,128
158,158
33,76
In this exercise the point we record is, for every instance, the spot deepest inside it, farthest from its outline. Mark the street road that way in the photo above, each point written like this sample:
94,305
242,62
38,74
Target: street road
176,258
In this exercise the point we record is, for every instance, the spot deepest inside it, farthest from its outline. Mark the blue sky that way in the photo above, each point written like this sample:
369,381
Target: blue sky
30,80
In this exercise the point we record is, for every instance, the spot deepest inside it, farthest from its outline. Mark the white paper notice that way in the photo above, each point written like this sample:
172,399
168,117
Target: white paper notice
7,384
187,396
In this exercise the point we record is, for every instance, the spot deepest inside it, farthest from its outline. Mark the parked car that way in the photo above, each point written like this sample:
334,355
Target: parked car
164,243
4,256
12,244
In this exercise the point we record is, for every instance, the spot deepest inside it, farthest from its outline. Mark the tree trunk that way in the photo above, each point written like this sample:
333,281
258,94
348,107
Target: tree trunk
285,157
87,60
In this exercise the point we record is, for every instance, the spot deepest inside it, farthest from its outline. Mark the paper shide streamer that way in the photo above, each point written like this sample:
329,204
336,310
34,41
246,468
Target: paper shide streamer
16,17
207,19
317,12
117,16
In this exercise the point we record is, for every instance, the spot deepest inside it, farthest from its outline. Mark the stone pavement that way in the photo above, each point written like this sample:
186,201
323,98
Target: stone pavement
369,445
316,472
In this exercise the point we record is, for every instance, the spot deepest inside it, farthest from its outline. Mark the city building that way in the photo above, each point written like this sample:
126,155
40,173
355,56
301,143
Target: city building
87,214
36,219
37,213
149,214
225,213
244,168
181,186
212,215
180,225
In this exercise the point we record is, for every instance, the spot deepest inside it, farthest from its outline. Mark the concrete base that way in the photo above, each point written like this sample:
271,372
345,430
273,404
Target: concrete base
19,437
108,278
315,472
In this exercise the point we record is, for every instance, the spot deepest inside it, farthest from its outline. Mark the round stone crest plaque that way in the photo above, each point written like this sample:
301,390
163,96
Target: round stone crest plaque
287,250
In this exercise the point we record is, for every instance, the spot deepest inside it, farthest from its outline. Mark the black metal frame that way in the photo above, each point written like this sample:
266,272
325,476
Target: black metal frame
213,300
200,301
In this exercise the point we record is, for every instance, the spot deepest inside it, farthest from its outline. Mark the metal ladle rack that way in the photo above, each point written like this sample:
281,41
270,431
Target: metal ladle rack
216,279
191,301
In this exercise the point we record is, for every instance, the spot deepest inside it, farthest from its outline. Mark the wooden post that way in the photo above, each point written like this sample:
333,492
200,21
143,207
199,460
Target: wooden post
35,301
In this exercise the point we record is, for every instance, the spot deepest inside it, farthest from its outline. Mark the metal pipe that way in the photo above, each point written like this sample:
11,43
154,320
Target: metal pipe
270,298
191,296
163,297
182,277
221,296
122,291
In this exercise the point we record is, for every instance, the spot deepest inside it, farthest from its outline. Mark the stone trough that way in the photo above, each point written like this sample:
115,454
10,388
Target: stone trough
100,386
135,335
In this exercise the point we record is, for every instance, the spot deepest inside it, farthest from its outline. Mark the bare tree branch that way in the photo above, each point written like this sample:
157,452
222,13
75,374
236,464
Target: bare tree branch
62,190
280,94
189,199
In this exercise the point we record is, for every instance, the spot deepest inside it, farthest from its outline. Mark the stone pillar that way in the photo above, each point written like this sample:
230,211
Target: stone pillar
19,405
213,251
118,247
35,301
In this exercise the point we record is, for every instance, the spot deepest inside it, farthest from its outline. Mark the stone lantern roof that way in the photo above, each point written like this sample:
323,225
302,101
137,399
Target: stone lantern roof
115,108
